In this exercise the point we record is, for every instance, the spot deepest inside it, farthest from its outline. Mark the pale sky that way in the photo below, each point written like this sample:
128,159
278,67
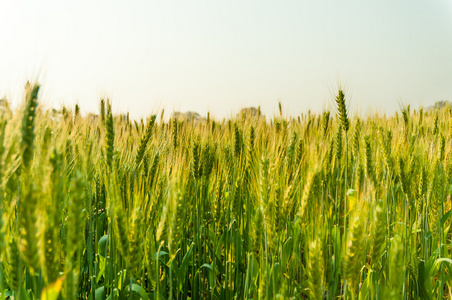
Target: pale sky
221,56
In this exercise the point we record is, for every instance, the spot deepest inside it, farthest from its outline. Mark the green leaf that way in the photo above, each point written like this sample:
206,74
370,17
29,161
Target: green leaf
423,292
187,257
364,291
101,271
184,266
24,294
440,260
115,294
445,217
137,290
207,266
276,275
160,254
101,224
100,293
4,294
102,245
286,253
52,291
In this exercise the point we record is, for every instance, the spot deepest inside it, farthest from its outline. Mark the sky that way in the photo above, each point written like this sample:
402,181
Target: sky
221,56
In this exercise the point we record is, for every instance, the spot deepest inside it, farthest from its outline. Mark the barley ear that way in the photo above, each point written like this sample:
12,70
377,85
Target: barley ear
135,238
316,269
14,269
102,110
378,233
29,228
109,138
177,223
75,214
396,266
354,256
121,226
342,111
144,141
28,125
370,170
258,234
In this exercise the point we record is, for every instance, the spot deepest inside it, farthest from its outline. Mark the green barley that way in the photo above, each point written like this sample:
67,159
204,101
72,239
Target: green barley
28,125
342,111
110,137
144,141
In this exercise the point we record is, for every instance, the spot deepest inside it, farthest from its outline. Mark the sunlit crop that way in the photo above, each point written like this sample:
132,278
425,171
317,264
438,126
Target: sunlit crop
324,206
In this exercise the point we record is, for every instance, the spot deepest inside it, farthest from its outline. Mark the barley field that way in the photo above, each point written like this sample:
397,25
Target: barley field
323,206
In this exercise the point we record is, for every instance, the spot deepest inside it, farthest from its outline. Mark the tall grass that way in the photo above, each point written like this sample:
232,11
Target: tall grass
322,207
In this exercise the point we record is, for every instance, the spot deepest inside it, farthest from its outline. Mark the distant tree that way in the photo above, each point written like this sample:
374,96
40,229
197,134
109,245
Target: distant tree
250,112
187,116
